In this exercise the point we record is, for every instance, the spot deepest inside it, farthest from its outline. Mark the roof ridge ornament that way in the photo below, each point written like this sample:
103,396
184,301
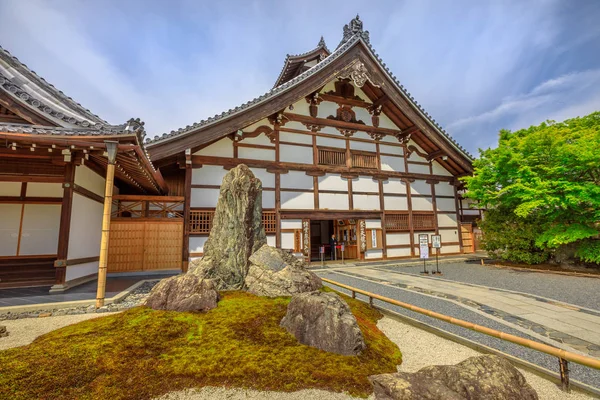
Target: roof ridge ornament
322,42
355,27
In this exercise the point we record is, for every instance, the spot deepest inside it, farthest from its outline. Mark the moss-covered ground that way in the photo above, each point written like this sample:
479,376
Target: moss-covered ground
142,353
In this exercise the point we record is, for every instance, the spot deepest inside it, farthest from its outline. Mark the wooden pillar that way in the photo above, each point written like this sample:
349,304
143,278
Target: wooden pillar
383,230
278,210
65,225
185,250
108,192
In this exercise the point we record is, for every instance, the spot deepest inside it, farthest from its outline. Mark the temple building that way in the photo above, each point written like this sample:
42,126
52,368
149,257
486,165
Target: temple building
340,146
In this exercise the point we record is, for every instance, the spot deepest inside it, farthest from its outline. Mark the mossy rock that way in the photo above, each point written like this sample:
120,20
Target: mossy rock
143,353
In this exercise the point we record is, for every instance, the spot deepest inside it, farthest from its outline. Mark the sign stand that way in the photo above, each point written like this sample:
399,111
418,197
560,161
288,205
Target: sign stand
424,251
436,242
322,254
342,249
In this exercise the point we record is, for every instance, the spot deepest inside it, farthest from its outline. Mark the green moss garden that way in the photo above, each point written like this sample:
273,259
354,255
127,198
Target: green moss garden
142,353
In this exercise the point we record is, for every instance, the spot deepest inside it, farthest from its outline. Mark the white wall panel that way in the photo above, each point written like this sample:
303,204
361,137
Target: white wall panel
389,163
256,154
355,145
301,107
327,108
295,154
267,178
393,185
296,180
373,223
204,198
221,148
9,228
395,150
418,168
81,270
439,170
257,124
88,179
414,156
261,139
395,203
10,188
295,137
268,199
331,142
386,122
447,220
363,115
287,240
365,184
449,235
370,254
398,253
366,202
444,189
208,175
422,204
197,243
333,182
39,233
362,135
271,240
39,189
420,187
450,249
297,201
334,201
393,239
445,204
86,227
291,224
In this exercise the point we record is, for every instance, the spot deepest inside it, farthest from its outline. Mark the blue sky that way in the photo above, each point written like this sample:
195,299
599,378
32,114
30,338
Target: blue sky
475,66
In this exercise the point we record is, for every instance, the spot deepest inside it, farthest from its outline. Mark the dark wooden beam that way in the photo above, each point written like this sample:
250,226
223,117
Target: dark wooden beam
64,229
339,124
27,113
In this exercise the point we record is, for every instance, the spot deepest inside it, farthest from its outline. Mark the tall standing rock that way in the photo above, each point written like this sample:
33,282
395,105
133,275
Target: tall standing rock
237,231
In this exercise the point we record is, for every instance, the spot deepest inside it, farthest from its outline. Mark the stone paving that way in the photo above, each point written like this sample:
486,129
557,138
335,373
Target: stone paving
576,327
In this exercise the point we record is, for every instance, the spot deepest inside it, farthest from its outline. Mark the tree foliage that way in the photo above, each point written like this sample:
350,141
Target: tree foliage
543,184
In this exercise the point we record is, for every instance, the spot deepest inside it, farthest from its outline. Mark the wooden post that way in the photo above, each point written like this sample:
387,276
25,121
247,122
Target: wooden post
186,215
108,192
65,225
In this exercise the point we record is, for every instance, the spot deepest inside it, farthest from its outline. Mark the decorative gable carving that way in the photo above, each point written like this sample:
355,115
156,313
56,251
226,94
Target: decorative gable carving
345,89
346,113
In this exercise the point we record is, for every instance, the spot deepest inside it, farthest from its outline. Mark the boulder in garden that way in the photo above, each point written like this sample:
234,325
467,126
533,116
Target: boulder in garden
183,293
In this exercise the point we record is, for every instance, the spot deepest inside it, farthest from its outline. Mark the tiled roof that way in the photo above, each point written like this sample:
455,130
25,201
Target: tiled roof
290,58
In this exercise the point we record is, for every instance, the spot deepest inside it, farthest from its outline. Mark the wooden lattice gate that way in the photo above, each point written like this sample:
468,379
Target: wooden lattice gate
150,237
467,238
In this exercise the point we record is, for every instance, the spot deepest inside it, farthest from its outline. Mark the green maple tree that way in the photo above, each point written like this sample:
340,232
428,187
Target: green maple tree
543,185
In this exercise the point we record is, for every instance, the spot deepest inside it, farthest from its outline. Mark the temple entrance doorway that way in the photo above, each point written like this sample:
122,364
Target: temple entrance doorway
345,232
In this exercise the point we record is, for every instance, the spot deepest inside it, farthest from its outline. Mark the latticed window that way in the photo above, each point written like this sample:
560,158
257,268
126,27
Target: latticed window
423,221
269,220
396,222
363,159
330,156
201,221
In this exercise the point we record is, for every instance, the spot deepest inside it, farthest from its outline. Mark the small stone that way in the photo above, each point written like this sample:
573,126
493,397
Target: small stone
3,331
45,314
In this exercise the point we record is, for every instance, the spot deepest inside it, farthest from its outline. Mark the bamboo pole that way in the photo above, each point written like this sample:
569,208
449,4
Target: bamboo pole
544,348
102,266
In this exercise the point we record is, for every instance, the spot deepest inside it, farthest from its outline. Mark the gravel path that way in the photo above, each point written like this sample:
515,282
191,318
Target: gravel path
578,372
576,290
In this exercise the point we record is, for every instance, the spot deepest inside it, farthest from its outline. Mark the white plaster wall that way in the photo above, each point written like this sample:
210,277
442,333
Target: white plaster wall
261,139
301,106
327,108
9,228
296,180
297,201
414,156
449,235
395,186
398,252
331,142
361,135
386,122
39,189
291,224
363,114
370,254
331,131
334,201
422,204
80,270
439,170
256,154
395,203
389,163
90,180
208,175
333,182
295,137
395,150
366,202
447,220
268,199
450,249
267,178
373,223
271,240
204,198
365,184
220,148
445,204
420,187
197,243
356,145
10,188
393,239
264,121
444,189
39,233
418,168
287,240
295,154
86,228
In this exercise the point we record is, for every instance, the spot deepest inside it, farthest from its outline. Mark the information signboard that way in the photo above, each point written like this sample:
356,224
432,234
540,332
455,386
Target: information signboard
424,245
436,241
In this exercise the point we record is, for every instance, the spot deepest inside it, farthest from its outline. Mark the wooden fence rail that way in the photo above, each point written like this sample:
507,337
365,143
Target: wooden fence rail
563,355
